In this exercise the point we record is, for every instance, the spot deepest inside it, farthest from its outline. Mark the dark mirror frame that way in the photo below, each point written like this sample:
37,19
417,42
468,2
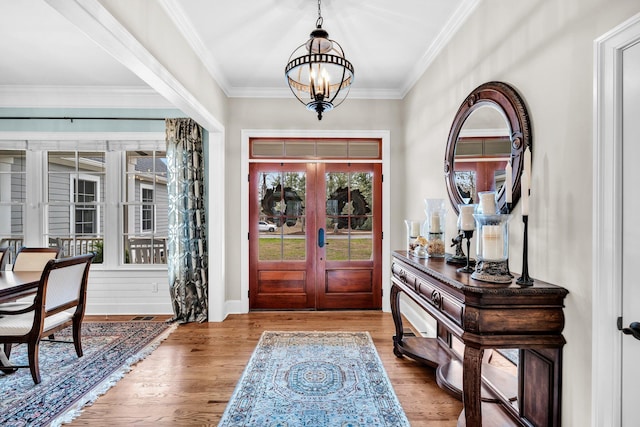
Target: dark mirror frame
503,97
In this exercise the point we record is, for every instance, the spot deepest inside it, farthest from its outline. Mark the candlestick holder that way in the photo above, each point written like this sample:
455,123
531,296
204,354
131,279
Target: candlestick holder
524,279
468,234
492,248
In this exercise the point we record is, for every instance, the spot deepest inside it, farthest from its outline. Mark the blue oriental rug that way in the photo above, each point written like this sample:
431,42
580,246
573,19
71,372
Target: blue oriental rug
314,379
69,382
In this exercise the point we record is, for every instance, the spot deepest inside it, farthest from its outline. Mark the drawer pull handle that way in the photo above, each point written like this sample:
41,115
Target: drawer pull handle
436,298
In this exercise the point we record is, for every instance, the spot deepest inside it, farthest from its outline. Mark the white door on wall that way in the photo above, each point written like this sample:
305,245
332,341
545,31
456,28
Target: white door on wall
630,233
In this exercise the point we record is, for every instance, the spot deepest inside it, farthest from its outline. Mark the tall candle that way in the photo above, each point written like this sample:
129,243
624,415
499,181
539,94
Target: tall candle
435,223
525,193
492,242
527,167
415,228
508,186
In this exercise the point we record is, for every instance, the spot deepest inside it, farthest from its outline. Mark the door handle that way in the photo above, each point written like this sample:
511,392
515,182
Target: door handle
321,237
633,329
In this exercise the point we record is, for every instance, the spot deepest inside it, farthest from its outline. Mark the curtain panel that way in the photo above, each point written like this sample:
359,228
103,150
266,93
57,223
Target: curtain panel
187,240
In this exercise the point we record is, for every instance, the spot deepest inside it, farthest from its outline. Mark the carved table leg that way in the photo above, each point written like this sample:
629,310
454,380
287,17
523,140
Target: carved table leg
397,318
471,382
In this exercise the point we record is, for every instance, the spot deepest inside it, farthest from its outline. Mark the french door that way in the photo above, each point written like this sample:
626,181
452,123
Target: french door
315,239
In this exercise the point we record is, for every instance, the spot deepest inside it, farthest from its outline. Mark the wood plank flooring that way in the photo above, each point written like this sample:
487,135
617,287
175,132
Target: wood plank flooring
190,377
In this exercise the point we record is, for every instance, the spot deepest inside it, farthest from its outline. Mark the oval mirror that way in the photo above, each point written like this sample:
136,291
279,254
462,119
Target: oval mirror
490,129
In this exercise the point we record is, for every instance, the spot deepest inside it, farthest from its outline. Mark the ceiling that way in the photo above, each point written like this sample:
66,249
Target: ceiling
244,44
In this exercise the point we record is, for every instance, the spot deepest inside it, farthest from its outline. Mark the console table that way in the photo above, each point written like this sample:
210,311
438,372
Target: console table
483,316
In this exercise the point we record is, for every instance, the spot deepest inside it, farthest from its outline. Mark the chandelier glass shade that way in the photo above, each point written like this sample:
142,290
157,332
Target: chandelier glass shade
318,73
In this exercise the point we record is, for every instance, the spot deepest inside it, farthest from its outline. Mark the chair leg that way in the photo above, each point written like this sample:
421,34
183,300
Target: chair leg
4,360
34,365
77,336
7,349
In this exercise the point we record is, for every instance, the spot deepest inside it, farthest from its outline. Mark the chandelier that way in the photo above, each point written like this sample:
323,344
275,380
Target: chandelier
318,73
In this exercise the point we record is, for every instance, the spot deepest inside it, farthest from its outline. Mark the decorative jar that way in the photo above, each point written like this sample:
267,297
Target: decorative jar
435,225
416,243
492,248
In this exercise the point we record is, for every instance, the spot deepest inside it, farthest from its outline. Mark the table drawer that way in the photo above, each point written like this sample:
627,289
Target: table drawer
444,302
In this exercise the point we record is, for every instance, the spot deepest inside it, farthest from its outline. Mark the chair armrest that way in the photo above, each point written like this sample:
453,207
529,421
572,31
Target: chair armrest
20,309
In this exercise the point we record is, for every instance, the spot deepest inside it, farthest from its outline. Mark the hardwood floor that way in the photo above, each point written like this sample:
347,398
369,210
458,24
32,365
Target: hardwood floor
190,377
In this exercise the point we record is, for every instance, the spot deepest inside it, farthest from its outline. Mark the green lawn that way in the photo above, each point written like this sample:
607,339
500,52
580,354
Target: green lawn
294,249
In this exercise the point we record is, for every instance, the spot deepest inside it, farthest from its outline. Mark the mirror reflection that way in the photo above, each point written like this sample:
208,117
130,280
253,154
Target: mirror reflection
482,151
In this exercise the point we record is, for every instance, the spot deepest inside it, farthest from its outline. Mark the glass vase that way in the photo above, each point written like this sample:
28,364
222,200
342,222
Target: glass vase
492,248
416,243
435,224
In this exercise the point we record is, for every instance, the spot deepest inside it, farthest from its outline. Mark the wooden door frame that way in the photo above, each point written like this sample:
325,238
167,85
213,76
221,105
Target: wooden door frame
242,305
606,372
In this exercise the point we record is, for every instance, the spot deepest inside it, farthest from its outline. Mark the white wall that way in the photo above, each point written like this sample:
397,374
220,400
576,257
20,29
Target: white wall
545,49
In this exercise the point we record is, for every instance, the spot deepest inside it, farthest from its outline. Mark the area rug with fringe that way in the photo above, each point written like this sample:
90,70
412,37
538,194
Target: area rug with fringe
70,382
314,379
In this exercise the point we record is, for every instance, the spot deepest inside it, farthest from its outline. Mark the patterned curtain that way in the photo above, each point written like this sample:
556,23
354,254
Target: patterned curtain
187,239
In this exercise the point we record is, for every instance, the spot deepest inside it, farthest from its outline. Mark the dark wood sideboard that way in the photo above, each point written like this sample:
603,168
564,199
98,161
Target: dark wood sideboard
473,316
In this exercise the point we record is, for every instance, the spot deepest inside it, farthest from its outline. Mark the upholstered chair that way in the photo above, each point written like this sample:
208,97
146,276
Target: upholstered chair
58,303
34,259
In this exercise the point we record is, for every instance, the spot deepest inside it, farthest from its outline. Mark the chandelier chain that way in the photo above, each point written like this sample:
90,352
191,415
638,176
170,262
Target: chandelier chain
319,21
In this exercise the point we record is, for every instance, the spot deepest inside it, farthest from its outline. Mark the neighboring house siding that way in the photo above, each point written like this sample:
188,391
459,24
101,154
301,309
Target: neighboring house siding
18,191
162,212
59,190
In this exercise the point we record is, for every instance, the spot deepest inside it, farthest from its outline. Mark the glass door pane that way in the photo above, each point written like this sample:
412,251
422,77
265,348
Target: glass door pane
349,218
281,219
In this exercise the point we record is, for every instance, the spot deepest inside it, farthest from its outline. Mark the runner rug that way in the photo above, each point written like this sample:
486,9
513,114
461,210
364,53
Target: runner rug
314,379
70,382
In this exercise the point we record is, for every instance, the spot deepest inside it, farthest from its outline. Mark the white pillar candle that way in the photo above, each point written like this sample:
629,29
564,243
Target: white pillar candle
508,186
415,228
492,242
435,222
527,164
467,222
488,203
524,186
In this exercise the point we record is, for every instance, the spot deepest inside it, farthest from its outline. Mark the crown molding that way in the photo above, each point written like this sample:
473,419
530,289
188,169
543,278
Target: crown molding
81,97
176,13
452,26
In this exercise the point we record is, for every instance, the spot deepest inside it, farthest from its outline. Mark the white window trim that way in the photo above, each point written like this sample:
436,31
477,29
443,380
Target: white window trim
153,219
72,208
